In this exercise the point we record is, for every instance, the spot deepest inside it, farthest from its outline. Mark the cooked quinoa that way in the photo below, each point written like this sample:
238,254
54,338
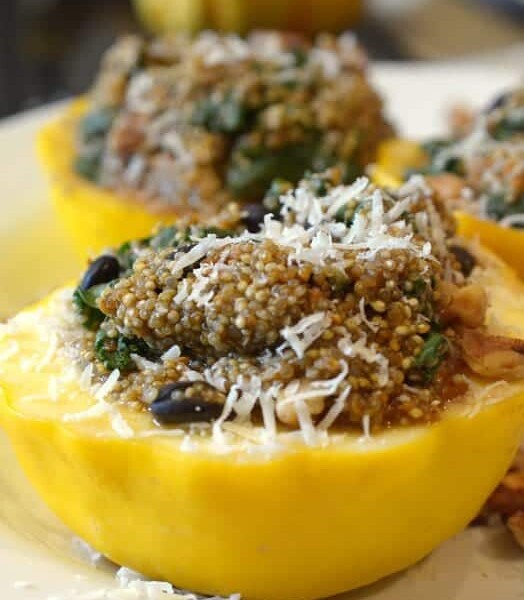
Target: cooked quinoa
343,309
485,163
192,123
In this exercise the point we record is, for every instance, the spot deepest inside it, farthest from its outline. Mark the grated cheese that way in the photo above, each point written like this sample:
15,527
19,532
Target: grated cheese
367,353
128,585
251,389
108,386
305,421
198,252
512,220
143,364
171,354
335,410
366,426
86,377
267,405
232,397
362,309
300,336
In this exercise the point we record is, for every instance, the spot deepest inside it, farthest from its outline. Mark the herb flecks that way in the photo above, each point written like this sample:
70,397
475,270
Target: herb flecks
433,353
116,353
85,303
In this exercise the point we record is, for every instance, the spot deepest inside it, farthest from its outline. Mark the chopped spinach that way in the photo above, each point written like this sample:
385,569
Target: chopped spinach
126,255
221,114
509,126
85,303
300,55
497,206
350,171
200,232
346,214
339,282
252,170
88,165
450,164
434,147
278,188
419,287
434,351
318,183
166,237
96,123
115,353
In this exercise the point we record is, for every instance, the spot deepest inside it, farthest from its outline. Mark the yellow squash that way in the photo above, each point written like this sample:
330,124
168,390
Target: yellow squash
396,156
507,242
95,218
308,16
291,523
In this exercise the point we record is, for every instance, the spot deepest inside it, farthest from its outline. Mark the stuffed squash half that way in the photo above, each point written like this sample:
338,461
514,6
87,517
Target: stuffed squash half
178,125
478,170
288,412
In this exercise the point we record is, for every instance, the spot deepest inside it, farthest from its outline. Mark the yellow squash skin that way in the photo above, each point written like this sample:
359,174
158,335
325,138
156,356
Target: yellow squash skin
507,242
294,523
396,156
95,218
308,16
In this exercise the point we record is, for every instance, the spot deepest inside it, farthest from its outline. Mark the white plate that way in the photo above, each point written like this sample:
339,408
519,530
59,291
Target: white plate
37,561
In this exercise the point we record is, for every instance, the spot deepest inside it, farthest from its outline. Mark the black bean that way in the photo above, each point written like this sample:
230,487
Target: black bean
253,216
102,270
184,402
466,260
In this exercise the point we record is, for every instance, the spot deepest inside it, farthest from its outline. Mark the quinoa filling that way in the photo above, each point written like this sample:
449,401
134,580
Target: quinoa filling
194,122
481,167
350,307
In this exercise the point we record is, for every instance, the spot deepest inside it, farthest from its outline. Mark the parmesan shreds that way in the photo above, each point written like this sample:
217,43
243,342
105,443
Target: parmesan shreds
267,404
306,423
171,354
316,236
367,353
335,411
107,387
143,364
52,346
304,333
86,377
93,412
366,426
227,410
211,242
512,220
251,390
119,424
362,309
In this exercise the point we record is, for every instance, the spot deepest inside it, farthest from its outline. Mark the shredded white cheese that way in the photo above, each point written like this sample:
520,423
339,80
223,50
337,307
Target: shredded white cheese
173,353
300,336
366,426
367,353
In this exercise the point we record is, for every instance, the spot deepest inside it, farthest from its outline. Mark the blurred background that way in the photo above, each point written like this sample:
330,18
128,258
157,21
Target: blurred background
50,49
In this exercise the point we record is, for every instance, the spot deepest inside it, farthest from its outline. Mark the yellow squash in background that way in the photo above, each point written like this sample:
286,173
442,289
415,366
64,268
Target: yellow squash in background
308,16
296,523
94,217
396,156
